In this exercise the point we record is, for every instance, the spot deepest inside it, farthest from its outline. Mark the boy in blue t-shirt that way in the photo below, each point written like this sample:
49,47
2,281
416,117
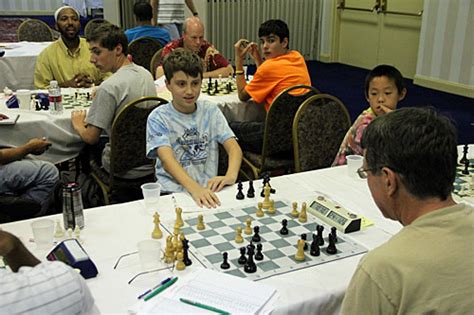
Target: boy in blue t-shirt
185,133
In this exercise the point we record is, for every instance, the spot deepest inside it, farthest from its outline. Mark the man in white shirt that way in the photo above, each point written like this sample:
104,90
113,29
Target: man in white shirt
36,287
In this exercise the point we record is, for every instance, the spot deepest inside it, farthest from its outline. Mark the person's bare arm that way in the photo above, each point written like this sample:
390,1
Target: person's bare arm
241,47
202,196
159,72
15,253
89,134
235,158
224,72
35,146
191,7
154,7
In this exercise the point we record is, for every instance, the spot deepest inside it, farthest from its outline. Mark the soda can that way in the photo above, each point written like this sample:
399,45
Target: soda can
73,209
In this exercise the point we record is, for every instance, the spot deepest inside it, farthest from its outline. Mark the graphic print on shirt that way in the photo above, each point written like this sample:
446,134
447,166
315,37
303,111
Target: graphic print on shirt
193,147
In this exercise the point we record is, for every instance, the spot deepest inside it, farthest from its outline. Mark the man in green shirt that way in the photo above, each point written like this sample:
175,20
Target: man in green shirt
67,60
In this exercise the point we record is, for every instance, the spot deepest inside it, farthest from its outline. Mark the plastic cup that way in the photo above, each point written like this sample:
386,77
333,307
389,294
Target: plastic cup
149,253
24,99
43,231
151,195
354,162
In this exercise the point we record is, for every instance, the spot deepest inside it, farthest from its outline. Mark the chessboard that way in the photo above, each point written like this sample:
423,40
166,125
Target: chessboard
463,181
77,100
208,245
215,87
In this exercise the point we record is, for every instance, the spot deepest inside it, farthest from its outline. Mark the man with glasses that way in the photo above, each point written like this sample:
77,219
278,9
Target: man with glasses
410,162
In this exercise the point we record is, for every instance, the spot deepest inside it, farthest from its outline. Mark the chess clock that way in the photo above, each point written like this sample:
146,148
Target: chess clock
71,253
335,215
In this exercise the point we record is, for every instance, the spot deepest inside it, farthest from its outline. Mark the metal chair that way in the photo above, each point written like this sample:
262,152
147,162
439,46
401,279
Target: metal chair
93,24
142,50
277,151
318,129
33,30
128,151
155,61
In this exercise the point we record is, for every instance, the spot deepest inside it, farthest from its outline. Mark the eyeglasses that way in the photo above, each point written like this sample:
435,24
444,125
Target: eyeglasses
362,172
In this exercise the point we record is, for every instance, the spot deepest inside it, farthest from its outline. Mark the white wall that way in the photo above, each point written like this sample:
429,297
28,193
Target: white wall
446,52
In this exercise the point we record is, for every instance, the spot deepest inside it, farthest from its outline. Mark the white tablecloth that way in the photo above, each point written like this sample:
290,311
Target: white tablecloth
112,231
17,66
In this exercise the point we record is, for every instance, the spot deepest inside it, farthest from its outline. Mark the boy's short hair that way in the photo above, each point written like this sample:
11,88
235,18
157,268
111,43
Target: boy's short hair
184,60
143,10
419,145
109,36
385,71
277,27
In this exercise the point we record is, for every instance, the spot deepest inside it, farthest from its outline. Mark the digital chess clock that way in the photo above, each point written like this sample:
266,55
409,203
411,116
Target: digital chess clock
71,253
335,215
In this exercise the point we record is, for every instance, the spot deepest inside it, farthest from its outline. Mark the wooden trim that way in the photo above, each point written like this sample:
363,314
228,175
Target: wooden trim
445,86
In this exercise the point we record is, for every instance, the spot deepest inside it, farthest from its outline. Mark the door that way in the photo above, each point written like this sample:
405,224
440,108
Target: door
372,32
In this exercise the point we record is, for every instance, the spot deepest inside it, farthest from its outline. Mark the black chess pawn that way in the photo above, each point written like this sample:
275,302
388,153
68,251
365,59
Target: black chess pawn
464,157
225,263
256,235
334,233
251,191
465,171
303,237
331,249
250,266
314,248
37,105
242,259
284,229
186,260
240,194
259,254
216,87
320,229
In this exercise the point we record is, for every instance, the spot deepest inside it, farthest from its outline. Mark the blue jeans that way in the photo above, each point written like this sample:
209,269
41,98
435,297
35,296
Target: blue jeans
30,179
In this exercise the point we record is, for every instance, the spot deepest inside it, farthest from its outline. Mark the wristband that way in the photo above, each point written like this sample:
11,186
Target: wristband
195,13
239,72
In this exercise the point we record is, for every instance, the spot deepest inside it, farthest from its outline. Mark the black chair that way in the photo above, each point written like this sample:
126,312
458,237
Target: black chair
318,129
128,151
155,61
142,50
277,151
92,25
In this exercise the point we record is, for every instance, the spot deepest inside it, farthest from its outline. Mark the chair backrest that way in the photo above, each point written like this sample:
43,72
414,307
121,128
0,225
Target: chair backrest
128,140
155,61
318,129
33,30
277,140
142,50
92,25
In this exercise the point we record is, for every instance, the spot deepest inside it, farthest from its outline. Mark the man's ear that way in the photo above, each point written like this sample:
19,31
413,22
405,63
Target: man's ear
118,49
285,42
391,181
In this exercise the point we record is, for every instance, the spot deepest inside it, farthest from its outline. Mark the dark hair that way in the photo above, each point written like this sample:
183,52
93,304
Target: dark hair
109,36
385,71
277,27
181,59
417,143
143,11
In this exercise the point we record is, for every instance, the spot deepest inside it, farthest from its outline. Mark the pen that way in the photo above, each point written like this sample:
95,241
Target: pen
204,306
156,286
161,288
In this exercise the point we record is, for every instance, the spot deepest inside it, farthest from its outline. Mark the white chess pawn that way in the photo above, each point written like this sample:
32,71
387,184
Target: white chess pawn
59,230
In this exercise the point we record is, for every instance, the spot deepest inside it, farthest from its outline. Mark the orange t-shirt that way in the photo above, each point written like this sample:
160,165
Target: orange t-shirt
276,74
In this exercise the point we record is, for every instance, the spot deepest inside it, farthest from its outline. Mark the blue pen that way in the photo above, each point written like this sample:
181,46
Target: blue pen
156,286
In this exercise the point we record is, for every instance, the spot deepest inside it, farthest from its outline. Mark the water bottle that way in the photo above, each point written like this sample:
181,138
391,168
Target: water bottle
72,206
55,98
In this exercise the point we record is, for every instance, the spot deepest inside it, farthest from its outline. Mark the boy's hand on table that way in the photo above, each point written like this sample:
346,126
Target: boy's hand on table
217,183
205,197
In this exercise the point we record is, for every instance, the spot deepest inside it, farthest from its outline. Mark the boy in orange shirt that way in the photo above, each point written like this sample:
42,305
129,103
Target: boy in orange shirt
279,69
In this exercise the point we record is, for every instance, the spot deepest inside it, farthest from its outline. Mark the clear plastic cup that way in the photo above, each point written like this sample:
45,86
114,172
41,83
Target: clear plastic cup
43,231
151,195
149,253
354,162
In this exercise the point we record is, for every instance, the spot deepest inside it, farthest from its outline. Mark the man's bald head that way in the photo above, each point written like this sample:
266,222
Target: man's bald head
193,34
